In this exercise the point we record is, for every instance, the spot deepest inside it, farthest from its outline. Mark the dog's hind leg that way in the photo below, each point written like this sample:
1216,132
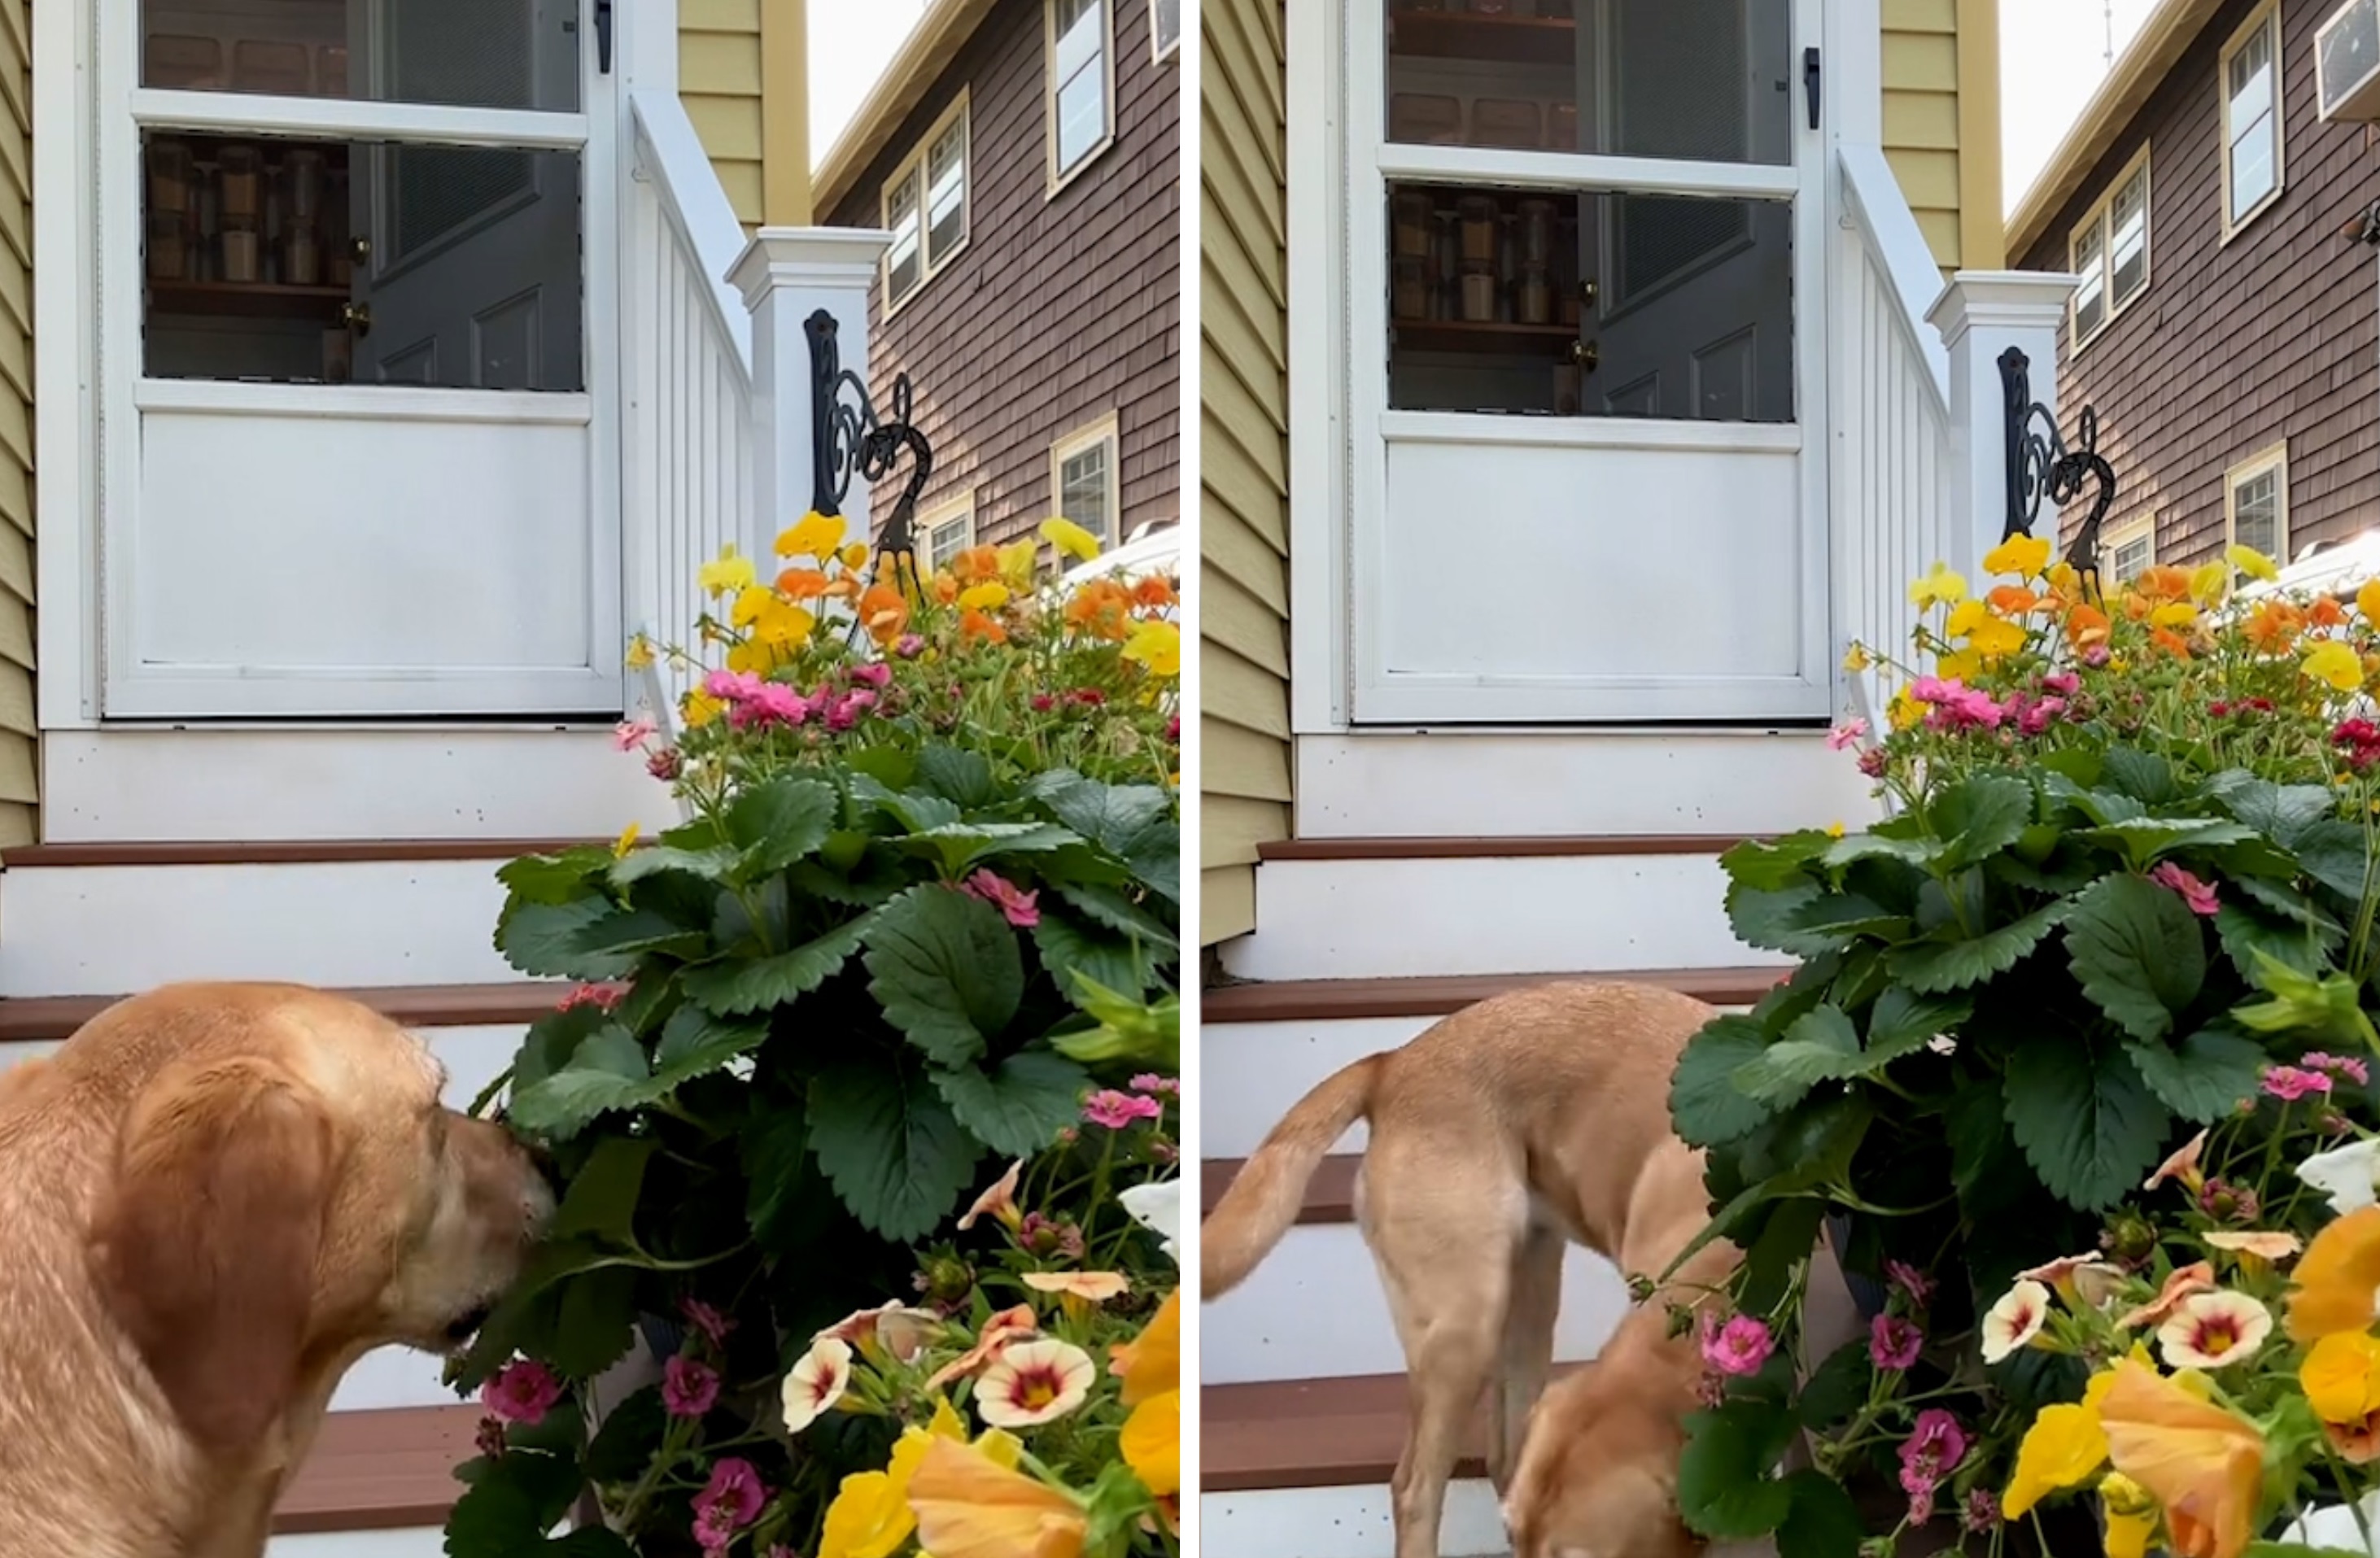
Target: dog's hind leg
1526,1349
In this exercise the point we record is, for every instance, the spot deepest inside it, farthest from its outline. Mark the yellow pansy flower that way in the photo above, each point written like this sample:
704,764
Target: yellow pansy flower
626,840
1904,711
754,657
1965,665
854,555
1070,539
1158,645
2367,601
1151,1442
2174,614
1857,659
2251,562
1938,585
816,535
2334,665
1996,638
641,653
700,708
782,625
2212,582
1016,563
989,596
2023,557
2063,576
725,574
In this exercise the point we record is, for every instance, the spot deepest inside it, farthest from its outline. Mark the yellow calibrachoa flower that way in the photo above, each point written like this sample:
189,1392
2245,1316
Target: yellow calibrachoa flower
1151,1442
870,1516
2251,562
1158,645
1938,584
2023,556
726,574
641,653
1070,539
988,597
2131,1516
2342,1376
2062,1449
1151,1364
816,535
2334,665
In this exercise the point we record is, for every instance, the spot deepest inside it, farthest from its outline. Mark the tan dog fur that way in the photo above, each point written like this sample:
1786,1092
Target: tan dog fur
213,1199
1514,1127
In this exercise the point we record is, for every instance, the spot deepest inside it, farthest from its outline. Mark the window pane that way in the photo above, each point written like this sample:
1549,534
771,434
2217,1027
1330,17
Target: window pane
903,267
1081,76
944,542
2127,560
1599,305
297,261
1083,491
946,182
2091,295
479,54
2249,118
2256,513
2252,165
1165,21
2128,219
1704,80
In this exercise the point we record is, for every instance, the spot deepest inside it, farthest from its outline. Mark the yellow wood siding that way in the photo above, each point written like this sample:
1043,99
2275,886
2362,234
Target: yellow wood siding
20,746
1941,123
720,69
1244,450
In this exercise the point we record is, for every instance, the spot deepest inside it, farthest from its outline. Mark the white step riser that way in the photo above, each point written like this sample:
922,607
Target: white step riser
115,786
1339,1522
399,1376
1252,1073
97,930
1531,783
1315,1310
426,1541
1371,919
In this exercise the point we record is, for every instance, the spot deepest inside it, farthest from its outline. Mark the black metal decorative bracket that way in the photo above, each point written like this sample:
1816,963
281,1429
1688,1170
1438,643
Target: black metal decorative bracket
2040,464
848,438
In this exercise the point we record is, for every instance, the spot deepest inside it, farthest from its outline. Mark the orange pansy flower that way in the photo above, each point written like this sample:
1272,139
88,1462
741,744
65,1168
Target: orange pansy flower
886,614
975,625
2087,625
2329,613
2012,600
2164,583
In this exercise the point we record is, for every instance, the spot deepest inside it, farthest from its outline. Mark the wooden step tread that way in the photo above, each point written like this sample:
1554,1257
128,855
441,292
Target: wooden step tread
1330,1000
275,851
34,1019
1519,847
1313,1433
381,1470
1330,1195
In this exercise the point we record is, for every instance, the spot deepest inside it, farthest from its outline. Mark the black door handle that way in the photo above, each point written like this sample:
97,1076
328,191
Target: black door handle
603,36
1811,77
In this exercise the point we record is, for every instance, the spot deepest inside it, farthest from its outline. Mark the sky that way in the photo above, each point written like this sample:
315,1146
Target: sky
2053,56
851,43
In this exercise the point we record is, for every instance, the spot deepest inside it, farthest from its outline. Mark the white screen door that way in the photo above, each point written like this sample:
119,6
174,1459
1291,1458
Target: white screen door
1585,478
356,327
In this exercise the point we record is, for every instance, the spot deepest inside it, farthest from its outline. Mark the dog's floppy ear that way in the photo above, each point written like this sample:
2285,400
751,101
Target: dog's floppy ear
205,1243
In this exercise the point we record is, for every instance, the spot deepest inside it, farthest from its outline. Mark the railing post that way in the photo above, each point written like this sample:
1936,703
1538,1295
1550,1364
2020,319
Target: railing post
787,274
1979,316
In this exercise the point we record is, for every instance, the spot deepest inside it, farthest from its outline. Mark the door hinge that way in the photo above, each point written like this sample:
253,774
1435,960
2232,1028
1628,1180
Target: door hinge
603,36
1812,80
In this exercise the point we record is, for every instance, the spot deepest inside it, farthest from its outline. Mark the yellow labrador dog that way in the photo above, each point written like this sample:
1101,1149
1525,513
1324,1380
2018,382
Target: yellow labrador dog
1511,1129
213,1199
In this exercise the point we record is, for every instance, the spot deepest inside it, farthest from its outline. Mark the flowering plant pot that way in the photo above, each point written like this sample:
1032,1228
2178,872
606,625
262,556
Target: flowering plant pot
924,913
2125,897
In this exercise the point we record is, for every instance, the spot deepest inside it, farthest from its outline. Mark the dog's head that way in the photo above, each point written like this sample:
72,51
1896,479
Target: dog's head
288,1191
1597,1476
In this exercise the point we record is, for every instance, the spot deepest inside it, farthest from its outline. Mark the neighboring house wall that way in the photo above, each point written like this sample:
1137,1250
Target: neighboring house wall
741,74
1942,124
1244,457
19,745
1060,309
2234,346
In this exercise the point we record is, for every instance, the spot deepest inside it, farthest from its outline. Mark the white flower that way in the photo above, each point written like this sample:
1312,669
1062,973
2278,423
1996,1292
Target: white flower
2016,1320
817,1382
2350,1176
2333,1526
1158,1207
2212,1329
1034,1383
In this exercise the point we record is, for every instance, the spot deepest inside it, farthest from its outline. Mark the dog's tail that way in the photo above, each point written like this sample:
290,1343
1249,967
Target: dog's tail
1263,1200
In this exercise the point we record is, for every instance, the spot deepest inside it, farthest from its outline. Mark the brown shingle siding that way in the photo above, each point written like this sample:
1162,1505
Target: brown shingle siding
1059,310
2237,346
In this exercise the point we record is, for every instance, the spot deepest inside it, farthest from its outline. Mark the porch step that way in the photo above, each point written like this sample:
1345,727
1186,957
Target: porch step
375,913
1312,1433
1487,905
36,1019
1477,846
390,1471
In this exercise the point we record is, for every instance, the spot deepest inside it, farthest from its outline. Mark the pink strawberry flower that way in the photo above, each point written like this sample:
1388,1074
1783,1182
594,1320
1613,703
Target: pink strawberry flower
2199,895
1149,1081
630,734
689,1388
2290,1083
1116,1110
1738,1347
729,1502
2345,1065
604,997
1016,905
522,1392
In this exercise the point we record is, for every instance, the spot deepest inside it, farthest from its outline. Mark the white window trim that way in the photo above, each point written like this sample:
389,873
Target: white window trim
1060,179
1105,430
960,506
1158,53
2098,217
2267,17
2276,459
915,165
2126,533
